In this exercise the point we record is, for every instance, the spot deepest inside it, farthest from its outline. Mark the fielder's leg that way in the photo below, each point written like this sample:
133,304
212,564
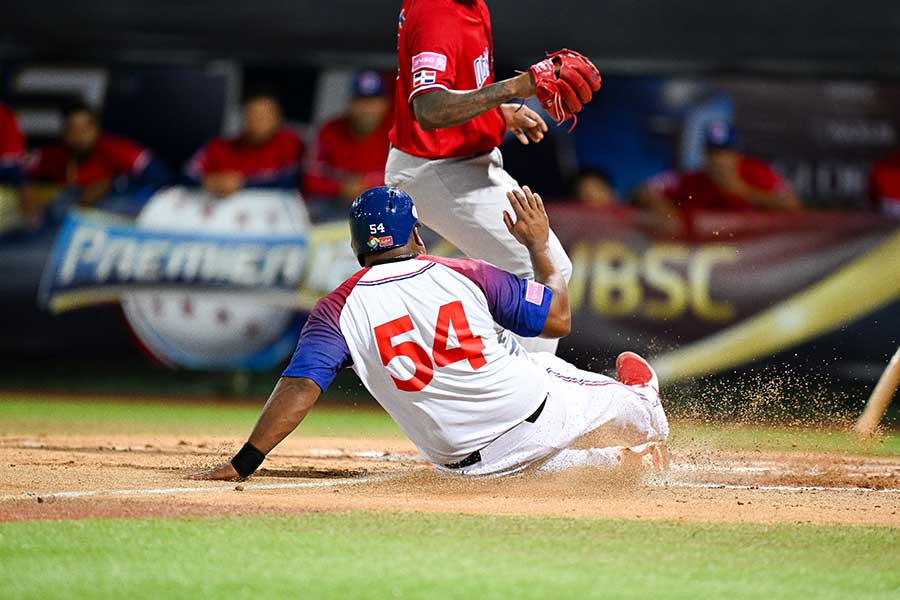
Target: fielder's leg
463,200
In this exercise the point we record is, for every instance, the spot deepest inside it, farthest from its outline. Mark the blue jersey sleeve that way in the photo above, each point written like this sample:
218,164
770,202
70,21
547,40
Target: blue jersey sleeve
322,350
519,305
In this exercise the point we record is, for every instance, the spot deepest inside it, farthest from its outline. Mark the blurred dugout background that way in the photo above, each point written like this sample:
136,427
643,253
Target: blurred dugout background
810,90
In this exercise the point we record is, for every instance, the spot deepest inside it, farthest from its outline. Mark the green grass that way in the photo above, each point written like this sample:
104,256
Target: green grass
24,415
21,414
403,555
778,438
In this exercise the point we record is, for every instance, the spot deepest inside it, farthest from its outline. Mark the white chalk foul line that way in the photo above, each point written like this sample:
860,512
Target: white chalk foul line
771,488
195,490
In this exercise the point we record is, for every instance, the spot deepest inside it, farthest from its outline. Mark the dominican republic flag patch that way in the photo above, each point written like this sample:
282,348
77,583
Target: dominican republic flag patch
421,78
534,293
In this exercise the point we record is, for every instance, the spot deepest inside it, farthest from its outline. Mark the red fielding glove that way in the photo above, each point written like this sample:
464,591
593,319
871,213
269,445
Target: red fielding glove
564,82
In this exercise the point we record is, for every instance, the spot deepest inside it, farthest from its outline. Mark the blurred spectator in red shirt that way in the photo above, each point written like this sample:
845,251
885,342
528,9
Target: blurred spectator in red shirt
87,161
351,150
728,181
264,155
884,185
593,188
12,148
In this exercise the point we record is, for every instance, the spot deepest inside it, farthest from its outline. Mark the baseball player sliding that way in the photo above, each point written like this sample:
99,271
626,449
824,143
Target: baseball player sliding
430,339
450,116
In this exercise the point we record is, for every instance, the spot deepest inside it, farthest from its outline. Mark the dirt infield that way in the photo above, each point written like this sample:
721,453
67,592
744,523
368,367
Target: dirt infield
54,477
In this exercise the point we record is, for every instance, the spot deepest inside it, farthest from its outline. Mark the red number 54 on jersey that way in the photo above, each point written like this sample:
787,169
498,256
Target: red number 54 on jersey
470,347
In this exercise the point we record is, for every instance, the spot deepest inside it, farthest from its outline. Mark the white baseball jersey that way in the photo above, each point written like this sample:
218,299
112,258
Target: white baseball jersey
427,337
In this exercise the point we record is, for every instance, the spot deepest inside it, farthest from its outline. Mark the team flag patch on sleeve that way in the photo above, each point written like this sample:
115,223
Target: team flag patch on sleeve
534,293
424,78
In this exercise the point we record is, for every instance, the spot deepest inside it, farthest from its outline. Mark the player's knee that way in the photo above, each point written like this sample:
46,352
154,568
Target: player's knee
634,423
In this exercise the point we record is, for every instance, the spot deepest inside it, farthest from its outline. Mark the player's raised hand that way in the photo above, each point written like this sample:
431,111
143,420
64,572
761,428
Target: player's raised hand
531,227
224,472
524,123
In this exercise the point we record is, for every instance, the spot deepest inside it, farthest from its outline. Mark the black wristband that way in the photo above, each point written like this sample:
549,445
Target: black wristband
247,460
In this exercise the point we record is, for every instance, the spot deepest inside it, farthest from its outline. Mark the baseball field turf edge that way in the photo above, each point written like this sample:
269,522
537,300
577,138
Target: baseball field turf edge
414,555
24,415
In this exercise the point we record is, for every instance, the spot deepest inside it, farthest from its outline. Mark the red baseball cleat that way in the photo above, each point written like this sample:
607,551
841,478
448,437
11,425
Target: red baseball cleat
632,369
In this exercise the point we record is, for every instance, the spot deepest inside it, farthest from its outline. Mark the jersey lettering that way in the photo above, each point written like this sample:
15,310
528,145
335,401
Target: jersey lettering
482,66
471,348
411,350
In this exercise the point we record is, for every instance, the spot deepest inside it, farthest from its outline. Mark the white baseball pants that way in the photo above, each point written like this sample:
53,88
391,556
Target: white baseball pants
463,201
580,404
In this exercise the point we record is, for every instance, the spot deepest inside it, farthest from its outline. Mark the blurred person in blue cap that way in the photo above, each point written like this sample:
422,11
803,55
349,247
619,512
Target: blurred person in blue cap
350,151
728,181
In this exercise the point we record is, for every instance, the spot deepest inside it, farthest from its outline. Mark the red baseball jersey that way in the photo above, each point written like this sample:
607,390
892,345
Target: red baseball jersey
696,190
444,45
884,185
338,153
12,143
112,156
271,160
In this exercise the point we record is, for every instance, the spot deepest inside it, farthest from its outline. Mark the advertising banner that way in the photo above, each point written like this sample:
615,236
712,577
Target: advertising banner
743,287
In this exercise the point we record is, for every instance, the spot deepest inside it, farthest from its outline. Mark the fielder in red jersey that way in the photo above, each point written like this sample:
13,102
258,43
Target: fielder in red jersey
447,45
450,116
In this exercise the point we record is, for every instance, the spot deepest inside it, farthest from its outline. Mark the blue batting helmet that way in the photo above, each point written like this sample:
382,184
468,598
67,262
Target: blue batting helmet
381,218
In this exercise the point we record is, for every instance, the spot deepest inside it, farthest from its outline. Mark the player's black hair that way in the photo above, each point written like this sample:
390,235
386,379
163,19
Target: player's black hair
261,92
590,172
79,106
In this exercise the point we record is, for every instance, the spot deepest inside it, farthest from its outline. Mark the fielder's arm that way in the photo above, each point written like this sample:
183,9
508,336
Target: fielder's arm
532,229
439,109
287,406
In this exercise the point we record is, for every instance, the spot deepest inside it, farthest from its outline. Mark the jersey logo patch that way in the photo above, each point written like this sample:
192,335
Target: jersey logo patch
534,293
482,66
429,60
380,242
424,78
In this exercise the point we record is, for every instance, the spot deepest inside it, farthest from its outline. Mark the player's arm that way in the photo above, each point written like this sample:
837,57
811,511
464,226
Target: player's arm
321,352
532,229
441,108
286,408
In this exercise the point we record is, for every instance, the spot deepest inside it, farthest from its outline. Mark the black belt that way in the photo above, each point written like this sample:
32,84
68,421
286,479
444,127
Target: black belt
475,457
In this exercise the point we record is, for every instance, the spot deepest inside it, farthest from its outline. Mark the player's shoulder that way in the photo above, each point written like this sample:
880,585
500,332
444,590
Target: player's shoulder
109,140
286,135
454,263
751,163
425,11
332,304
337,125
48,152
479,271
